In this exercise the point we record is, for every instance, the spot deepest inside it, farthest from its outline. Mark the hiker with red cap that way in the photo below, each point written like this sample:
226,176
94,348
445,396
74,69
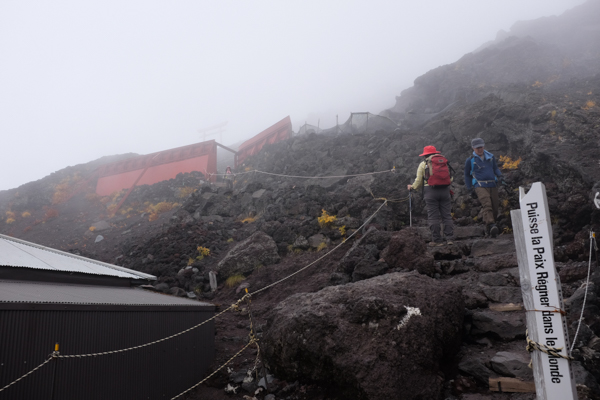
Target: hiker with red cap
433,174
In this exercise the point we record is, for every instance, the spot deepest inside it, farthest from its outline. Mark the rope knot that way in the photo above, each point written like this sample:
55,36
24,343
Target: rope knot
552,351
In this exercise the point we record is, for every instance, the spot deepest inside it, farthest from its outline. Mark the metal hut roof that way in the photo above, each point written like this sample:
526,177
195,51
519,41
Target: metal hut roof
20,253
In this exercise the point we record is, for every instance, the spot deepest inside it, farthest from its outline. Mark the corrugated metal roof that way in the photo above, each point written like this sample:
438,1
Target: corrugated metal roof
57,293
19,253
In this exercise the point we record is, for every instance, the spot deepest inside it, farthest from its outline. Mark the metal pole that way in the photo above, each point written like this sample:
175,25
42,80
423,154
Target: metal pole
410,205
55,361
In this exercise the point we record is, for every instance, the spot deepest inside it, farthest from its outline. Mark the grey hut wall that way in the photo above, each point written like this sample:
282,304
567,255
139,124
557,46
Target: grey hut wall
160,371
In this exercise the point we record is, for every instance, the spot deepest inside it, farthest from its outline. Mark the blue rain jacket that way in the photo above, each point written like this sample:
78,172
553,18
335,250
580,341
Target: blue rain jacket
481,172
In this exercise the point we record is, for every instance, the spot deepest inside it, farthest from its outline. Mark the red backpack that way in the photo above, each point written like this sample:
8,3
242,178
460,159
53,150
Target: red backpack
437,171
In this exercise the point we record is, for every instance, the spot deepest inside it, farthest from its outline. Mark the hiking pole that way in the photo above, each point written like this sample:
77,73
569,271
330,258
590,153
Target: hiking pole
410,207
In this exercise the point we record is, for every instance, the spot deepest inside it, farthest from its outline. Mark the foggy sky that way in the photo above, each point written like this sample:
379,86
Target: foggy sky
83,79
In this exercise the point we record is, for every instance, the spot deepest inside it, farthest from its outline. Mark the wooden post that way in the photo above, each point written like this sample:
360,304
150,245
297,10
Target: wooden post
542,294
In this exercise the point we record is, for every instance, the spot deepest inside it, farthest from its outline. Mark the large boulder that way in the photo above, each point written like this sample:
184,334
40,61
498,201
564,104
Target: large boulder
258,249
406,250
369,339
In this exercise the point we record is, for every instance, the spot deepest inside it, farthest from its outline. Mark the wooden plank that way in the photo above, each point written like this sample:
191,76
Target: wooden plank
506,307
511,385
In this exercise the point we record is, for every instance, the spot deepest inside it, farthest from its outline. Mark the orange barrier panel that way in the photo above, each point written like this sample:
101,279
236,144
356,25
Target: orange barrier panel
280,131
156,167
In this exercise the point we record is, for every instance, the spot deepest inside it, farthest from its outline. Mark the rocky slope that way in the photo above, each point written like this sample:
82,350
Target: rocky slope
383,308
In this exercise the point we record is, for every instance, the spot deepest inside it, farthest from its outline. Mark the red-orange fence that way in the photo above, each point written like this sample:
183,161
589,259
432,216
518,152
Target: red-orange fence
280,131
157,167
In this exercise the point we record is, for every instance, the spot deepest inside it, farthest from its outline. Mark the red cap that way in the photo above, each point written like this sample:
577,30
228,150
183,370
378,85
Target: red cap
427,150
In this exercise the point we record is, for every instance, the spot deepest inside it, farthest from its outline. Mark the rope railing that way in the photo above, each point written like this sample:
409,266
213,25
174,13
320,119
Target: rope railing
305,177
235,306
593,245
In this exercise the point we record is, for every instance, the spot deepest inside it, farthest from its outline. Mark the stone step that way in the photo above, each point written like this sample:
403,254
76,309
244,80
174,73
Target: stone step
503,325
460,232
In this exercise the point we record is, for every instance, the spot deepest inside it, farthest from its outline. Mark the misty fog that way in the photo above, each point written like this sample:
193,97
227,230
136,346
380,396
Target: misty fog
82,80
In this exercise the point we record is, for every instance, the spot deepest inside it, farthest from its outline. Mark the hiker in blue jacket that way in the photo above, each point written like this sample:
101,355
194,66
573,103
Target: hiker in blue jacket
481,177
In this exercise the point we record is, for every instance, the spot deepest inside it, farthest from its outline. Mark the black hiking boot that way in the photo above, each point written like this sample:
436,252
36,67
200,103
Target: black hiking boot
494,231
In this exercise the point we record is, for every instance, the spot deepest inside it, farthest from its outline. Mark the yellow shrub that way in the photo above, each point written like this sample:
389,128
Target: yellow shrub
26,214
321,246
326,219
112,208
589,104
249,220
229,240
10,220
160,208
234,280
190,261
10,214
537,84
126,210
92,228
185,192
505,203
509,163
203,251
164,206
342,230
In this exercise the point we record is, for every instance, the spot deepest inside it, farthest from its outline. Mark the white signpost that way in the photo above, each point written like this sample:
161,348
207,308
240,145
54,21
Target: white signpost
542,295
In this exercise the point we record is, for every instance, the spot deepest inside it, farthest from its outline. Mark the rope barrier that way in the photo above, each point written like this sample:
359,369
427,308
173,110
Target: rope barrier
252,340
593,244
306,177
322,257
552,351
234,306
215,371
248,297
28,373
104,353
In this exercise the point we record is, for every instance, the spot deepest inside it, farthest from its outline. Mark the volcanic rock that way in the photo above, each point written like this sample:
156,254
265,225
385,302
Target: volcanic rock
395,328
406,250
512,364
502,325
258,249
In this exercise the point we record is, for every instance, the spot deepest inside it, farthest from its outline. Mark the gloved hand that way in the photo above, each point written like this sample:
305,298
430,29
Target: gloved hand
473,194
502,181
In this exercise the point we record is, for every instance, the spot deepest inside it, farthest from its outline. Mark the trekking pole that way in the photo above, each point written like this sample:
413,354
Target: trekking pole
410,207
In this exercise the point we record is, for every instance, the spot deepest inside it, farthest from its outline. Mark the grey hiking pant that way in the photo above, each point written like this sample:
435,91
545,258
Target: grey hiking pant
439,207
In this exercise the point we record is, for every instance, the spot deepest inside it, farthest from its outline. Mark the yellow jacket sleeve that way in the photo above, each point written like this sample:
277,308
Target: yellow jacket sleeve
420,180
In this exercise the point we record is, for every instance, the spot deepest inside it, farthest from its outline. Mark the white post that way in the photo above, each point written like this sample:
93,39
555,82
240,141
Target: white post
542,295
